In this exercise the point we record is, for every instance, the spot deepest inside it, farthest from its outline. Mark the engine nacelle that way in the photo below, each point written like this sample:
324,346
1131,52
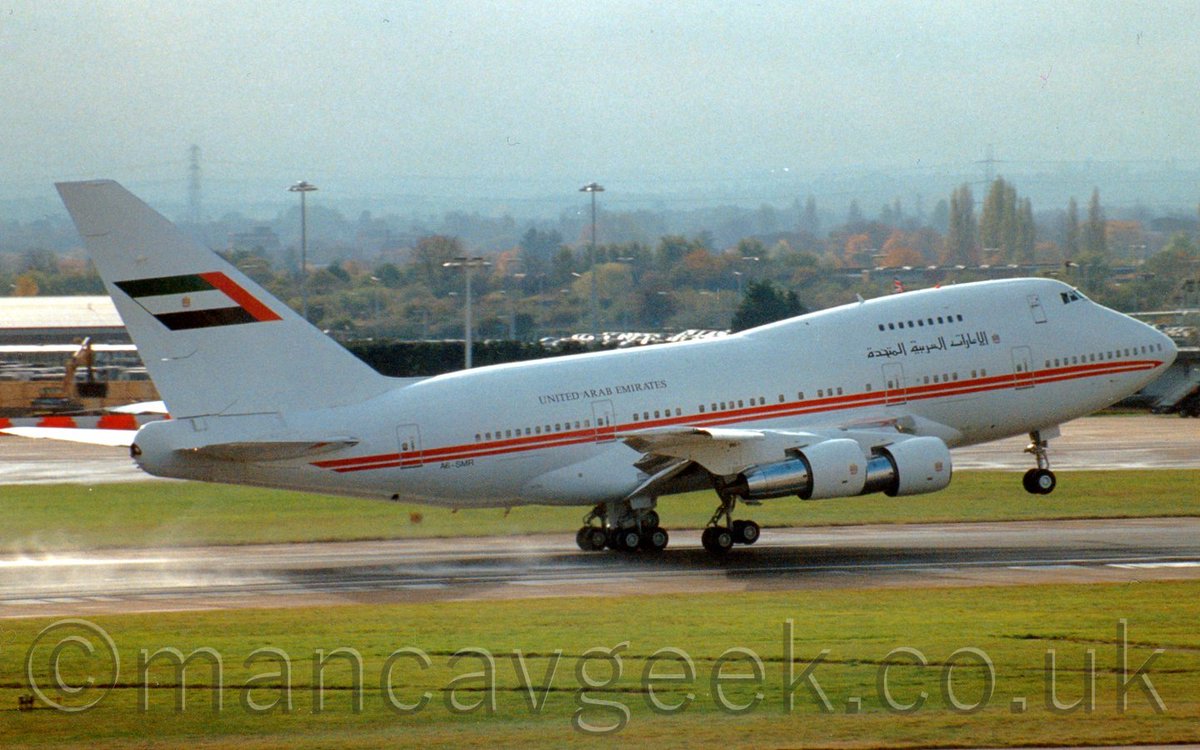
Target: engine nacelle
830,468
909,467
838,468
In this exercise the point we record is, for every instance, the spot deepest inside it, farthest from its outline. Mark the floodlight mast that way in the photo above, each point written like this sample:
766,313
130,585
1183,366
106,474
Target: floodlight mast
303,188
593,188
466,264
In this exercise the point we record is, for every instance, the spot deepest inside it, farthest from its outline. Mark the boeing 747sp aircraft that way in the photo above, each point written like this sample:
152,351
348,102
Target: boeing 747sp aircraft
867,397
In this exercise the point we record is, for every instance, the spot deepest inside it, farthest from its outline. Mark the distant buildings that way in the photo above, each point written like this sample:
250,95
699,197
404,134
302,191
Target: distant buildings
60,320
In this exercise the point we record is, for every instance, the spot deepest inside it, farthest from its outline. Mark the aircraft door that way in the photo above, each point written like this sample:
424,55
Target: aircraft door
602,416
1022,359
894,391
1036,309
409,438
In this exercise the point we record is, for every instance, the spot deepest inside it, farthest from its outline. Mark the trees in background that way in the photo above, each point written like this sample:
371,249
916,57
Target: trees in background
650,273
1095,240
765,303
1006,229
960,246
1070,247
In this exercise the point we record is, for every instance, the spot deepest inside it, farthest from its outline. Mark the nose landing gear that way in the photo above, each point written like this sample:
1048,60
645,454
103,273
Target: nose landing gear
1039,481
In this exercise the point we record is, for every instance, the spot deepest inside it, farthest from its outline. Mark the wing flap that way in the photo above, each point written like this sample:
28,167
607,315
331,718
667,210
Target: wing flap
720,450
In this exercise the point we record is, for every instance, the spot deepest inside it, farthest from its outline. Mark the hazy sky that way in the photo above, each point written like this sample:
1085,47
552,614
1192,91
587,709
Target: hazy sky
360,91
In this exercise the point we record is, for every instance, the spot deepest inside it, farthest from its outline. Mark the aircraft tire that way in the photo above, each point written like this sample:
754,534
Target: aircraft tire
1044,481
655,540
627,540
717,540
1027,482
746,532
591,538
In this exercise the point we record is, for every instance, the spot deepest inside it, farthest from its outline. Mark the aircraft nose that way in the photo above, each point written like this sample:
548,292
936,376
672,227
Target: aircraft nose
1166,347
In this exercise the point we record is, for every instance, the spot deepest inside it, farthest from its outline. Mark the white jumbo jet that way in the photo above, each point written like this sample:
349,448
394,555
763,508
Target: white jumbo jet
867,397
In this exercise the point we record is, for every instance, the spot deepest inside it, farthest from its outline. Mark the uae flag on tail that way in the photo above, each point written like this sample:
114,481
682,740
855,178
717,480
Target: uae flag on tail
201,300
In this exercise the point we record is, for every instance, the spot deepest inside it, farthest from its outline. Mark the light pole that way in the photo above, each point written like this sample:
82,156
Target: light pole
466,264
519,277
1072,264
593,188
303,188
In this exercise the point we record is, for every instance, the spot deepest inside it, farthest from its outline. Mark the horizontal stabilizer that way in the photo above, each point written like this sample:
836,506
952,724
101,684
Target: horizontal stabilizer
270,450
141,407
76,435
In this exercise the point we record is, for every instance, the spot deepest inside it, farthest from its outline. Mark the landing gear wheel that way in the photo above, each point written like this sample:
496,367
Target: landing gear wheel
591,538
745,532
1039,481
1027,482
626,540
655,540
1044,481
650,520
717,539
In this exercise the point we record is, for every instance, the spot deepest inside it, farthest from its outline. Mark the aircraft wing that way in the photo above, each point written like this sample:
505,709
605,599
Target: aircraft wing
76,435
720,450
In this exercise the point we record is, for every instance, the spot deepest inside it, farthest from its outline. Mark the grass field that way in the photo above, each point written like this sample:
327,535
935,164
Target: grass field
1009,628
50,518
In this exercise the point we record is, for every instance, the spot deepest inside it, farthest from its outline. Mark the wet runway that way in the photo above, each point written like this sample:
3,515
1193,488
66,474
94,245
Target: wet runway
286,575
1116,442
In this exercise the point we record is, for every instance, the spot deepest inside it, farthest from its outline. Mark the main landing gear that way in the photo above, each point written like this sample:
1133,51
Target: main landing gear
718,538
623,528
1039,481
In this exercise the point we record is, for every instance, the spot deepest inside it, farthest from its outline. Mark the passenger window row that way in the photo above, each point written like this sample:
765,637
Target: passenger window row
535,430
921,322
1105,356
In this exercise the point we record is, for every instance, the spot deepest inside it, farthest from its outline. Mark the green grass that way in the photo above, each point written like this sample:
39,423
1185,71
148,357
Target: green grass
1013,626
64,517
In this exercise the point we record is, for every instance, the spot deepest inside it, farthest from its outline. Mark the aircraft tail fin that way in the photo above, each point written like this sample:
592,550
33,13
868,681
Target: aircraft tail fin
213,340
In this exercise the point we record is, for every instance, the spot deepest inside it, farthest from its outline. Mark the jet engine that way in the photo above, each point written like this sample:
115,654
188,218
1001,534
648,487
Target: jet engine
839,468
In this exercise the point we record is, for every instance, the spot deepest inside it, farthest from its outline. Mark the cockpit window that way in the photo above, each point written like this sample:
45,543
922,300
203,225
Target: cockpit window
1072,296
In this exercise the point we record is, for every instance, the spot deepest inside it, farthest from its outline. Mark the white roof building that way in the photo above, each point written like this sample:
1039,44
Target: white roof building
60,320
